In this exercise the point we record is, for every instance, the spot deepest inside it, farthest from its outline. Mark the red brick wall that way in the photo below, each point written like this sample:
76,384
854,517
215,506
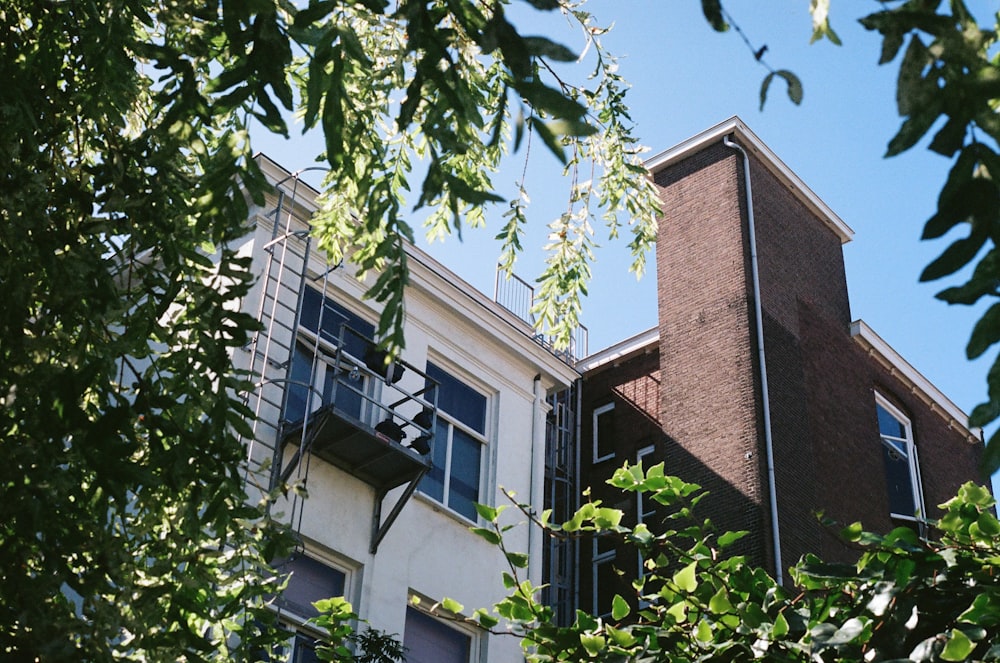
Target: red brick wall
709,401
633,385
707,421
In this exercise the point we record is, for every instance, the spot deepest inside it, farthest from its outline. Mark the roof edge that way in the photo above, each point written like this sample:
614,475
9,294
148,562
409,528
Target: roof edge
620,350
899,367
749,140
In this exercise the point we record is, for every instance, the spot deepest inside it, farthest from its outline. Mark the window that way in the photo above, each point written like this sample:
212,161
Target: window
327,328
605,577
429,640
604,430
457,450
310,581
902,472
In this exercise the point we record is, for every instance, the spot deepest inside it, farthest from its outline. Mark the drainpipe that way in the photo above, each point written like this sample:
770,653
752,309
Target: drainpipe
768,440
537,485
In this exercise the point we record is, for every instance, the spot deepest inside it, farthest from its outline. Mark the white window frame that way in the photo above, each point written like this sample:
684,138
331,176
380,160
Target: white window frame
916,485
599,559
483,439
598,411
641,514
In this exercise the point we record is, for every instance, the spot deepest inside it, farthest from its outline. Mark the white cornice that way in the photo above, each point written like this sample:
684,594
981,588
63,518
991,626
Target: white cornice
641,342
918,384
735,127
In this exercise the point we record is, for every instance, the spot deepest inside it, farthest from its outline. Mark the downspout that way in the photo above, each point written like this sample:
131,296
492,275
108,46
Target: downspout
758,314
537,481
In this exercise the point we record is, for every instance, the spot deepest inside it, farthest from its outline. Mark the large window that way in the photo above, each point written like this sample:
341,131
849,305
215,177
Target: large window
321,323
902,472
428,640
604,430
458,443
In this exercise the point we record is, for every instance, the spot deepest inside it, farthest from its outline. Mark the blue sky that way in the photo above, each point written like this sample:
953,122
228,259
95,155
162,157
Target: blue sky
686,78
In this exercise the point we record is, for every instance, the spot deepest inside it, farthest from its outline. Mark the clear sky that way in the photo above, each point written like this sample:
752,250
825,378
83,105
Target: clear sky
686,78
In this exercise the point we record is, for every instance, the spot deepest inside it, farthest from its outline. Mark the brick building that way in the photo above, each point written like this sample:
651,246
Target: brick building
756,384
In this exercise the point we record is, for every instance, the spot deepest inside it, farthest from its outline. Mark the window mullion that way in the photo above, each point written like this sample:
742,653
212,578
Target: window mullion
446,494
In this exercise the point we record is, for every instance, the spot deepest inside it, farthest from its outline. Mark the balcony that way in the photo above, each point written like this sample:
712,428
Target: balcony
356,414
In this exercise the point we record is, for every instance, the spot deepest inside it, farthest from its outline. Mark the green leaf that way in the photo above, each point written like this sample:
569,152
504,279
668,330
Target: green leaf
791,80
780,629
704,631
594,644
519,560
985,333
489,535
958,646
913,129
719,603
550,139
452,606
991,455
913,91
955,257
713,14
547,48
685,579
619,608
486,512
729,538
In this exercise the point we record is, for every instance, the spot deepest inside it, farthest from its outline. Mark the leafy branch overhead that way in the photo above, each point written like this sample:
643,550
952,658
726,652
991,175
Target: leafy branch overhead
128,173
443,92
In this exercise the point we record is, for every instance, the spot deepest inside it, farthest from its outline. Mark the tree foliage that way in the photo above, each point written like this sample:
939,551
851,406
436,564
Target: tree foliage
906,598
948,89
125,527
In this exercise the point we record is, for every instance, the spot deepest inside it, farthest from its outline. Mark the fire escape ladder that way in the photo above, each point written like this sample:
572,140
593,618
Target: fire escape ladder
325,390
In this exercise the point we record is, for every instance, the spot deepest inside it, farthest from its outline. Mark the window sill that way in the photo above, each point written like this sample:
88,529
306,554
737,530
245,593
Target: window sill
438,507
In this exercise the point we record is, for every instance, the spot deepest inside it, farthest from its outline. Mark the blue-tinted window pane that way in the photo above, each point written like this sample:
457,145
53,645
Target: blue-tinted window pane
348,400
429,641
433,482
463,489
459,400
298,388
899,482
333,316
888,424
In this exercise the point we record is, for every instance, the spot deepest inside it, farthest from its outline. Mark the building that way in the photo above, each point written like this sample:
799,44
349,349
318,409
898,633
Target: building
394,457
756,383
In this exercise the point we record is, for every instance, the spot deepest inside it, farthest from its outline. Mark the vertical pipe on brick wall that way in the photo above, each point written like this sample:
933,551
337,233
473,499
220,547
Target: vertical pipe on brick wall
765,403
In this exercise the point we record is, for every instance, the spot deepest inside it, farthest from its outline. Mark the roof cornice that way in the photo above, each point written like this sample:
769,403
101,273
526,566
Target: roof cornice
892,361
641,342
741,133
